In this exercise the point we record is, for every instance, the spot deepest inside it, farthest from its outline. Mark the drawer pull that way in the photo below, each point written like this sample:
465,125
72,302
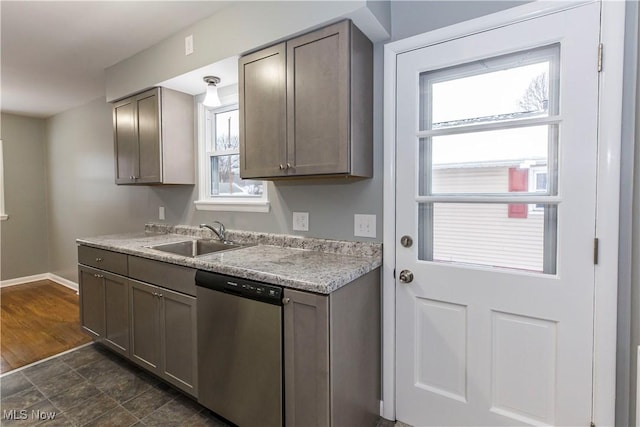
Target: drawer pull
98,259
99,276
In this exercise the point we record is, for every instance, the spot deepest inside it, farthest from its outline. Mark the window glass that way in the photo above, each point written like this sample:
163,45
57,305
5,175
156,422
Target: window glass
489,234
489,136
224,159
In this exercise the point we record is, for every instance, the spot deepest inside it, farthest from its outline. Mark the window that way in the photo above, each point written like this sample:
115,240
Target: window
221,187
488,145
3,214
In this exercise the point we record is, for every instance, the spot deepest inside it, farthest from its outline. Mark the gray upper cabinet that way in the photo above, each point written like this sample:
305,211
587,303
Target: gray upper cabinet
263,113
153,135
306,106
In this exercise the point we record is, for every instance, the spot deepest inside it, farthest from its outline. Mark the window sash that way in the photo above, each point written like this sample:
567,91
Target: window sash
207,151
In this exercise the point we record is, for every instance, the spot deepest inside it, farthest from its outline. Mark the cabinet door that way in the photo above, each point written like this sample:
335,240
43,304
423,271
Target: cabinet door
91,289
178,340
306,359
318,101
145,325
148,133
116,309
262,89
125,140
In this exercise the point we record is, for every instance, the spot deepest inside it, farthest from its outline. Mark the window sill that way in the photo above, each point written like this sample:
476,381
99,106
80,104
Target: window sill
232,205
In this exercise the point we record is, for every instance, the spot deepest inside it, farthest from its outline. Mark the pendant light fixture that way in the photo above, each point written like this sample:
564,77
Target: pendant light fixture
212,99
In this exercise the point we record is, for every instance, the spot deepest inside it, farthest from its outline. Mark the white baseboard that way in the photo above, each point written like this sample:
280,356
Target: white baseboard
44,276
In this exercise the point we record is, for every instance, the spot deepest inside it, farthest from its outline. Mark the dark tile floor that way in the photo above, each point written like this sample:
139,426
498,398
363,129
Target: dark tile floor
93,387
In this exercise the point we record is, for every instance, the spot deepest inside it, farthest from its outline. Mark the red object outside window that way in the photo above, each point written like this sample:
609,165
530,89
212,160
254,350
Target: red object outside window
518,181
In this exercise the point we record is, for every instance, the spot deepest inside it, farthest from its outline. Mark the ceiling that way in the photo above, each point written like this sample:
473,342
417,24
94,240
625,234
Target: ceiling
54,53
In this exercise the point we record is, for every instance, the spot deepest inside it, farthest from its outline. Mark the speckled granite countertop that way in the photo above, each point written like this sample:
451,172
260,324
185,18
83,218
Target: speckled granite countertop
315,265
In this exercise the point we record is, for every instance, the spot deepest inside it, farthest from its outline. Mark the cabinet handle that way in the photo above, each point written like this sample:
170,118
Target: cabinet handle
281,167
289,166
99,276
98,259
160,295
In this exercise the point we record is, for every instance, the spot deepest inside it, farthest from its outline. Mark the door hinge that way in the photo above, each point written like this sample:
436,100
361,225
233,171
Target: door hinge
595,250
394,273
600,49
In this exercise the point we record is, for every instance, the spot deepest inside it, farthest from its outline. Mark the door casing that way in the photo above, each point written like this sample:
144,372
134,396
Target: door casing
608,186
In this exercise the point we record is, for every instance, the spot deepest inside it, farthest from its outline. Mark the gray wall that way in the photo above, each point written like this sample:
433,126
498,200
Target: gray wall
235,29
409,18
24,236
83,199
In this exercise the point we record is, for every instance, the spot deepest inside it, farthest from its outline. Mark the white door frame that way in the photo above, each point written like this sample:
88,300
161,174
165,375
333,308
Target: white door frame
608,188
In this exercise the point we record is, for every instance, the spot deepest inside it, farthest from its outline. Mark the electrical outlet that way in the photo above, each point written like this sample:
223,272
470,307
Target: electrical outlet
301,221
364,225
161,213
188,45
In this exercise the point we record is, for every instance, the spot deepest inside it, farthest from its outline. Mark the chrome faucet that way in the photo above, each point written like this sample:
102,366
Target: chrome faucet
220,232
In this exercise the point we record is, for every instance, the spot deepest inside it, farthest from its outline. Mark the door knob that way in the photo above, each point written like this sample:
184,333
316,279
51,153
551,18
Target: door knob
406,276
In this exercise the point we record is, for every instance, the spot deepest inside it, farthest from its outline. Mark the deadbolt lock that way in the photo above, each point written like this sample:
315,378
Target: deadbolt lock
406,241
406,276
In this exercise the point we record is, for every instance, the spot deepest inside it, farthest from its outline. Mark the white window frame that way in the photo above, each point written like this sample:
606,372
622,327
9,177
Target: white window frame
3,213
205,201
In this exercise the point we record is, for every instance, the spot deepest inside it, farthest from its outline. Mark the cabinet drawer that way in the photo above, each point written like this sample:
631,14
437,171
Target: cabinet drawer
170,276
102,259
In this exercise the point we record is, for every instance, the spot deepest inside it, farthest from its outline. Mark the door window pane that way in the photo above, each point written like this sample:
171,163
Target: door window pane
489,234
480,162
506,152
504,88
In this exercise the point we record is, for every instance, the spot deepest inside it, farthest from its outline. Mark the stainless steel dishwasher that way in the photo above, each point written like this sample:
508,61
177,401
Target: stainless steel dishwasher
240,349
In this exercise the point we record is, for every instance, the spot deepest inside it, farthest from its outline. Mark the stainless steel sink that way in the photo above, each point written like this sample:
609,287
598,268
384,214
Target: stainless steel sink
194,248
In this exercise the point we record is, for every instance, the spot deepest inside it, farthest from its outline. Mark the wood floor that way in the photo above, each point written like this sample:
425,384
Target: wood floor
37,320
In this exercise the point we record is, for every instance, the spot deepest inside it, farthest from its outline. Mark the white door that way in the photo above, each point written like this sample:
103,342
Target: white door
496,187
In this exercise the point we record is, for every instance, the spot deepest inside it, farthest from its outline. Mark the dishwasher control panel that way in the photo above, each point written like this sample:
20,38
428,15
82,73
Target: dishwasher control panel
241,287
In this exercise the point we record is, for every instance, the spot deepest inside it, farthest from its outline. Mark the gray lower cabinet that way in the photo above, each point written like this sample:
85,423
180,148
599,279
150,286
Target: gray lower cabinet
104,307
332,355
163,334
306,106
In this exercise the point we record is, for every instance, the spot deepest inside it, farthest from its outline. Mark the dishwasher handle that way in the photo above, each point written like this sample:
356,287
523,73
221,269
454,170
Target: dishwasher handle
240,287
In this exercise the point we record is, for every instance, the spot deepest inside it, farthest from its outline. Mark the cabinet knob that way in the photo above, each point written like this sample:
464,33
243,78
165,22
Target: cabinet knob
99,276
160,295
98,259
286,300
281,167
289,166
